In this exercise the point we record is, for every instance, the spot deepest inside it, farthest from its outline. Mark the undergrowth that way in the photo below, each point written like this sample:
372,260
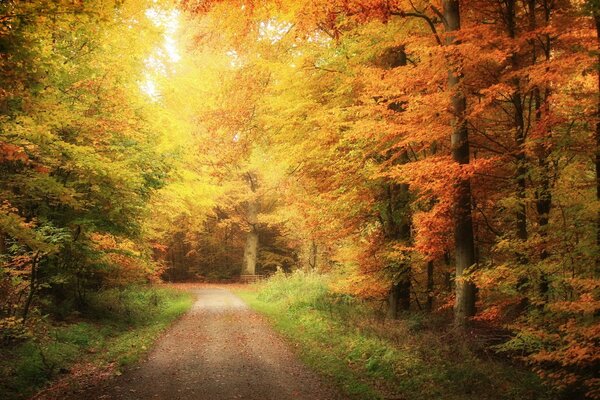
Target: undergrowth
116,327
414,358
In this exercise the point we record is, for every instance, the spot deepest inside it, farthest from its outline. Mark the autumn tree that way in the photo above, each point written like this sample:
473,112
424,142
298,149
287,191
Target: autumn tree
489,124
78,149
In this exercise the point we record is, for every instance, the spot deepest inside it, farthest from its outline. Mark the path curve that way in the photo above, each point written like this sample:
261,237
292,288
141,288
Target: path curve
219,350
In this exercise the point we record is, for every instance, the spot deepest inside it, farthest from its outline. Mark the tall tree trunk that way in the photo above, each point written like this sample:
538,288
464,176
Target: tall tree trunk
519,124
252,241
543,193
398,202
521,169
463,222
597,156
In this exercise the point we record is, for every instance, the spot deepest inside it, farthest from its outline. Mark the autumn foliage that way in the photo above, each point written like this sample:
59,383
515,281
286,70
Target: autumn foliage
433,153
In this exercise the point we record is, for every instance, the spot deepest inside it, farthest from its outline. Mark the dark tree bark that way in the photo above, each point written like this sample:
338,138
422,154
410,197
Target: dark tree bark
3,249
399,298
312,257
543,193
597,139
397,201
463,222
430,285
519,124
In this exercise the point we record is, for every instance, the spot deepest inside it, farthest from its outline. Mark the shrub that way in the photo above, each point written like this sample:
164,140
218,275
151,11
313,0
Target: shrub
13,330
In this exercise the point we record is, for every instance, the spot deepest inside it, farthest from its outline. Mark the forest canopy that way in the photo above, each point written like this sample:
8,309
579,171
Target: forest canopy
443,156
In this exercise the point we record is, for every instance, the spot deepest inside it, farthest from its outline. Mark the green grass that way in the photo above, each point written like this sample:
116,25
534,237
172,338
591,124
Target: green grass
369,358
118,327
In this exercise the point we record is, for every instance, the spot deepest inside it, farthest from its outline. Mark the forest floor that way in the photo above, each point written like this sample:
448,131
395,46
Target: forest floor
220,349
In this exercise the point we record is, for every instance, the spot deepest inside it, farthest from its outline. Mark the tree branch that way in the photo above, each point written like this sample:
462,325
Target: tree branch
425,17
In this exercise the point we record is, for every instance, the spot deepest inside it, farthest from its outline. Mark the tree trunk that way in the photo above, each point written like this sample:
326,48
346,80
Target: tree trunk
430,285
393,301
251,253
32,286
252,241
399,297
543,193
463,224
521,169
519,124
3,249
396,228
597,156
312,257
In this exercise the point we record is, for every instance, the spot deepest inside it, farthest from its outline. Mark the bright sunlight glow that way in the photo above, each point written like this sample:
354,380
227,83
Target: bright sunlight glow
162,60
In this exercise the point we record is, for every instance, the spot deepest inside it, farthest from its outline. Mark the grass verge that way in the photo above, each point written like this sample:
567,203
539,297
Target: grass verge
117,328
370,358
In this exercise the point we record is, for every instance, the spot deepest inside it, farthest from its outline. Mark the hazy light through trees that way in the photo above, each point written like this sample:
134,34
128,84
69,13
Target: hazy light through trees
163,59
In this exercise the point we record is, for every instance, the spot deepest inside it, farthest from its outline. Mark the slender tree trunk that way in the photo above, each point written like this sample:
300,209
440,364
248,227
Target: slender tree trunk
2,243
32,286
398,201
430,285
519,124
448,276
597,155
521,169
312,257
393,300
398,198
543,193
463,223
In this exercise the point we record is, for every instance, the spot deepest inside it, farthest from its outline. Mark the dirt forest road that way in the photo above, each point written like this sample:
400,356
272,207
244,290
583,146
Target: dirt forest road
219,350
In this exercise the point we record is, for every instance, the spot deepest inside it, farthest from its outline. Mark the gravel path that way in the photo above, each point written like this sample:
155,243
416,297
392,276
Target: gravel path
218,350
